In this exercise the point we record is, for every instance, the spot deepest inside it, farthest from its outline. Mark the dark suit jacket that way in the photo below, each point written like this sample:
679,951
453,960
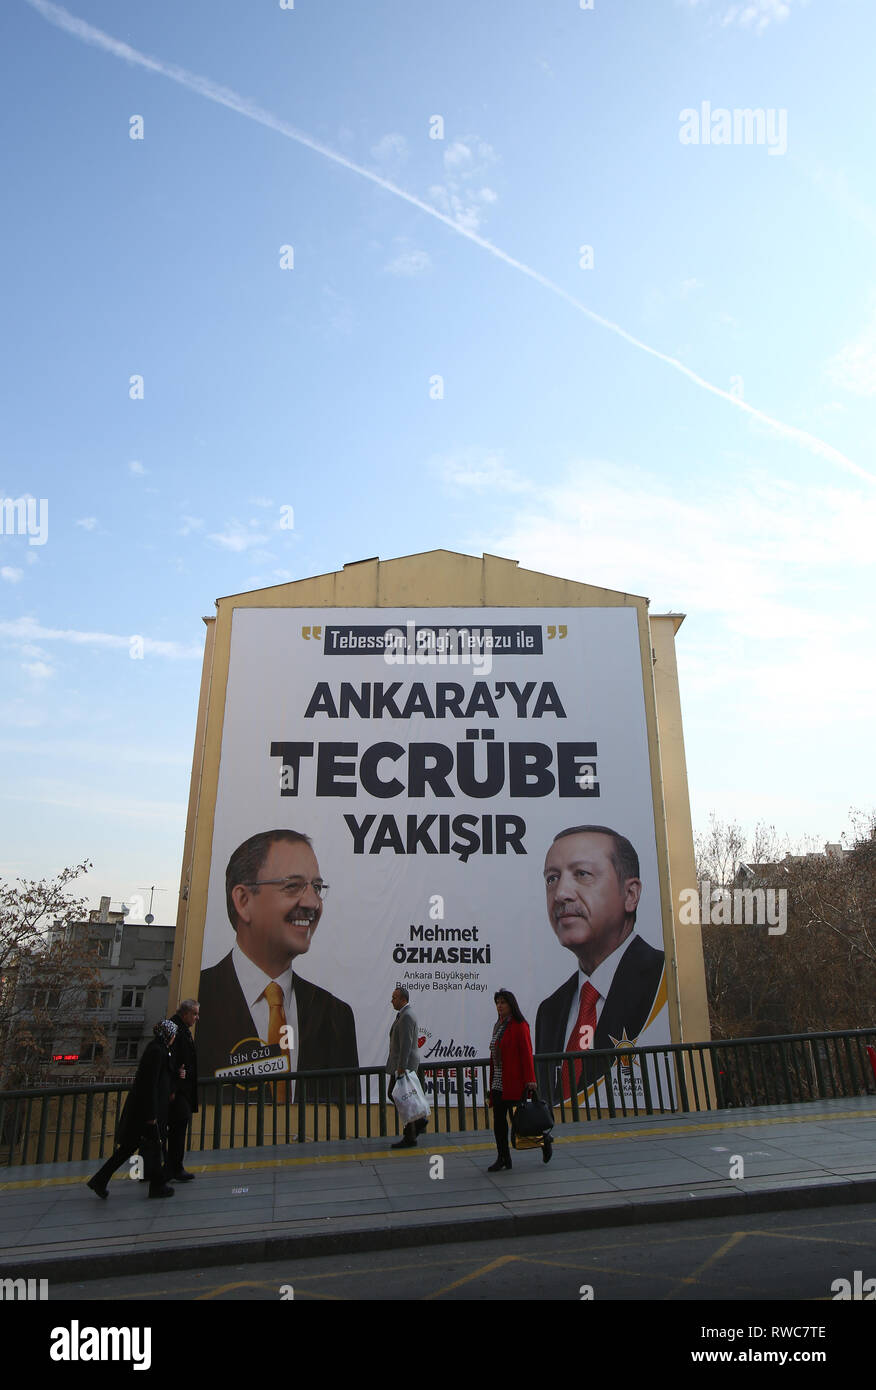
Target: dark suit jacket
326,1027
627,1005
183,1054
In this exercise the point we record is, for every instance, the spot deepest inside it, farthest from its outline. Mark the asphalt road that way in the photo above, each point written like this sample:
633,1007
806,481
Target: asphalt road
784,1256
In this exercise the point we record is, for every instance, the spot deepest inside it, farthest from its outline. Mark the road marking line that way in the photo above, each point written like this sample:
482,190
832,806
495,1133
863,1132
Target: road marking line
723,1249
258,1284
475,1274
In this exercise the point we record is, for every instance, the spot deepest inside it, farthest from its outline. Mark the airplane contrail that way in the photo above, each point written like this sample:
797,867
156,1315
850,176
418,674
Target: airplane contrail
224,96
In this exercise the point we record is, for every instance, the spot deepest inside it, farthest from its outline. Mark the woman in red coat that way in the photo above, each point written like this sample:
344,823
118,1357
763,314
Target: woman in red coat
512,1072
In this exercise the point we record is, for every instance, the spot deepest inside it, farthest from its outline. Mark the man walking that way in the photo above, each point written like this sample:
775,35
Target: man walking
184,1102
403,1056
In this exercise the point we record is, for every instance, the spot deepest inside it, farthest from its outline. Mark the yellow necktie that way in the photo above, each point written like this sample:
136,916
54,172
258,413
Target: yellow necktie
276,1023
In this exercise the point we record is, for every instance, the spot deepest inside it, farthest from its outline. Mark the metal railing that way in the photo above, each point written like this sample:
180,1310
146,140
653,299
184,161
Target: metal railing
71,1123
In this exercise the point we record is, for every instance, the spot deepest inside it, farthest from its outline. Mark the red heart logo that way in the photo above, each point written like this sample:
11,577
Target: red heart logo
421,1040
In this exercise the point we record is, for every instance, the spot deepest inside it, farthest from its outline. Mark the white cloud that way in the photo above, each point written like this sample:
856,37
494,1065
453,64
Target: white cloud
390,149
38,670
461,219
28,629
458,155
11,574
689,286
261,502
88,523
267,581
190,524
136,467
463,196
478,470
854,366
776,577
756,14
236,537
736,548
410,263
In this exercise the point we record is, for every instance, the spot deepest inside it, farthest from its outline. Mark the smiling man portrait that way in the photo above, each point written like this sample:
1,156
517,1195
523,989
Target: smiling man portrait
255,1008
592,885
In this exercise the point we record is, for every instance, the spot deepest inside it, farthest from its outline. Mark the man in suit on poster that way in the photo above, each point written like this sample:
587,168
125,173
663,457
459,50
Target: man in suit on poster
252,1001
593,888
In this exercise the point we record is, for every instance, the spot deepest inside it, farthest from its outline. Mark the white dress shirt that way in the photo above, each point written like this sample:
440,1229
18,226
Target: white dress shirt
601,980
253,981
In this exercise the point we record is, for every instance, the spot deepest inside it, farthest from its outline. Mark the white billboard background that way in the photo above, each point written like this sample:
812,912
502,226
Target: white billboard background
376,899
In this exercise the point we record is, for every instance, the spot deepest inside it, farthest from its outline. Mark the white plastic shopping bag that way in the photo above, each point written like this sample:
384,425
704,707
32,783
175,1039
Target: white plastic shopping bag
408,1099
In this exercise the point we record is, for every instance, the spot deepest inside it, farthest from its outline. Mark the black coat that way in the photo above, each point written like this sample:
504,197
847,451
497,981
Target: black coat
627,1006
326,1027
149,1096
183,1054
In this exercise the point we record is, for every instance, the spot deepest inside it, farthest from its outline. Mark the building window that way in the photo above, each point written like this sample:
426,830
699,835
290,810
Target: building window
103,947
133,998
99,998
45,999
91,1052
126,1049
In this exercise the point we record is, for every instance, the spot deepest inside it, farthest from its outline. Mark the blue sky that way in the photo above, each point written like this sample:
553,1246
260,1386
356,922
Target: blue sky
741,490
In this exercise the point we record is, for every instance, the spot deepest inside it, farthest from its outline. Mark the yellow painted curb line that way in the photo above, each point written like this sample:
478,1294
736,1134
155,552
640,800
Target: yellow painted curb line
252,1165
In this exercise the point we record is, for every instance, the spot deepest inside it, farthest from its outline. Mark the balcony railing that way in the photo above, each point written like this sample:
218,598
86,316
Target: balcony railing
78,1122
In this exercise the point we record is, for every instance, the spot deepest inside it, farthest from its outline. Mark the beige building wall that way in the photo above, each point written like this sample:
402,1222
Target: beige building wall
445,579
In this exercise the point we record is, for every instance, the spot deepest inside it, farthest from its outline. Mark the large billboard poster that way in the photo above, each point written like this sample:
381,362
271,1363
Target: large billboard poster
432,757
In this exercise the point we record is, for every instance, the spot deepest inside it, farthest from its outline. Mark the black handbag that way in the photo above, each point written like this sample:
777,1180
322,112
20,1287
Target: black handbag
532,1117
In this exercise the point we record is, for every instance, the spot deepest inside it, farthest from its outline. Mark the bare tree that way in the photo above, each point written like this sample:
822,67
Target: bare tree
820,974
49,973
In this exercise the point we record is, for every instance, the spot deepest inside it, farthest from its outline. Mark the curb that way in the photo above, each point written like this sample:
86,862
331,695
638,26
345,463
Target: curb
445,1227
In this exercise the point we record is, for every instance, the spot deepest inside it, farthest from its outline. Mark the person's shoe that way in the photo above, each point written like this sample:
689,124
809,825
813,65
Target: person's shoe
182,1176
162,1192
499,1164
547,1151
422,1126
96,1187
404,1144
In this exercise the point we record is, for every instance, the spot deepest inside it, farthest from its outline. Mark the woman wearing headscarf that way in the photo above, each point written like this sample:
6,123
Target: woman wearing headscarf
512,1073
143,1122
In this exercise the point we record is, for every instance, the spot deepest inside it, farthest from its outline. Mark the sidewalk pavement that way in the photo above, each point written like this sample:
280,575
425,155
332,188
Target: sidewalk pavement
332,1198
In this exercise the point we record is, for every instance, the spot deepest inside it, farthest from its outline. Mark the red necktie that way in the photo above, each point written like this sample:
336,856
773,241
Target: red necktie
579,1040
